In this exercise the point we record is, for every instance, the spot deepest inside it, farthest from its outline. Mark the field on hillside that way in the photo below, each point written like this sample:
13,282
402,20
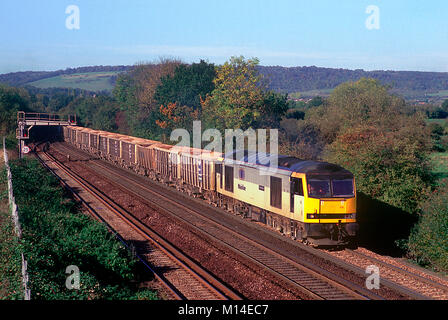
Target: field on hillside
440,93
439,160
93,81
410,95
440,164
317,92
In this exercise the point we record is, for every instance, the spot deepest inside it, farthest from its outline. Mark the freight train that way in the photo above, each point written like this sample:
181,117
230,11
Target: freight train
311,201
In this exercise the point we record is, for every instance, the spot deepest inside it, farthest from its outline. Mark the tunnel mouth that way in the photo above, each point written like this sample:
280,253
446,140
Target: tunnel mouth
44,133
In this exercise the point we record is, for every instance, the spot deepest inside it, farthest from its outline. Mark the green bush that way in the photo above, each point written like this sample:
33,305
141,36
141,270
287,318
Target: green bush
390,166
295,114
428,243
56,235
439,140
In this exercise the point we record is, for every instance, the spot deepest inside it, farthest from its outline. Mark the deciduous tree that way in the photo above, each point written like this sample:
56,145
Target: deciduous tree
239,99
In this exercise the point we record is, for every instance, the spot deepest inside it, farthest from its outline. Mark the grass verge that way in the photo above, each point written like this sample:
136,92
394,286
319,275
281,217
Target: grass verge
10,248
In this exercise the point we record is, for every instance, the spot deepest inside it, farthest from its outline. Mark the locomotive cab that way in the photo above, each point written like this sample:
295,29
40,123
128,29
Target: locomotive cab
328,213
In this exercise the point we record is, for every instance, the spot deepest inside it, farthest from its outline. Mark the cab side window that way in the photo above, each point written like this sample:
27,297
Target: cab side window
296,189
228,172
297,186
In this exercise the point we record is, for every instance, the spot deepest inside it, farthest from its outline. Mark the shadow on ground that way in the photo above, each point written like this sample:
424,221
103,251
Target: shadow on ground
381,225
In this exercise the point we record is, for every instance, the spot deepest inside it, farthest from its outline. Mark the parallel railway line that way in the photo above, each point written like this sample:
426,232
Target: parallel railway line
197,283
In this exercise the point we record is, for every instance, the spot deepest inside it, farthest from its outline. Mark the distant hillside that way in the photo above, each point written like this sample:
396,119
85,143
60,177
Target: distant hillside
308,81
315,80
27,77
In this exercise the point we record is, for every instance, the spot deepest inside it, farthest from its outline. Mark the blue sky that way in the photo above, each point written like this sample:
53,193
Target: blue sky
412,34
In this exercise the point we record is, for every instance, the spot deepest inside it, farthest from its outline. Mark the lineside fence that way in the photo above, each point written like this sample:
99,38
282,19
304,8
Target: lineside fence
15,218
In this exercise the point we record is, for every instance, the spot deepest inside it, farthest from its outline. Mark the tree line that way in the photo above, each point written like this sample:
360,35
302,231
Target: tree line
157,98
299,79
284,79
31,99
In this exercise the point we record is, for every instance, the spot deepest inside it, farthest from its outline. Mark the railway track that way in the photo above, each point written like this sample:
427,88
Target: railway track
191,281
311,279
429,286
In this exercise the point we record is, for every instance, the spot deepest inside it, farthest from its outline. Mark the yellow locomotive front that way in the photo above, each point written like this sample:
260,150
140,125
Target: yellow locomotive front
328,198
312,201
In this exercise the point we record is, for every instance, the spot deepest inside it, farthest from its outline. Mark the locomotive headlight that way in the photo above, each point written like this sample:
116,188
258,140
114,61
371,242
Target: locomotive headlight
311,216
350,216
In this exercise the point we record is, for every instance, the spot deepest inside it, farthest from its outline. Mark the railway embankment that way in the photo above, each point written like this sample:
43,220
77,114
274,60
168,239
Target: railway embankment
70,255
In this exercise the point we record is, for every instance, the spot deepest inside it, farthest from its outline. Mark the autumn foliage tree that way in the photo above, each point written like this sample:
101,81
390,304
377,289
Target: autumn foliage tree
239,99
233,103
173,116
179,96
135,92
147,78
